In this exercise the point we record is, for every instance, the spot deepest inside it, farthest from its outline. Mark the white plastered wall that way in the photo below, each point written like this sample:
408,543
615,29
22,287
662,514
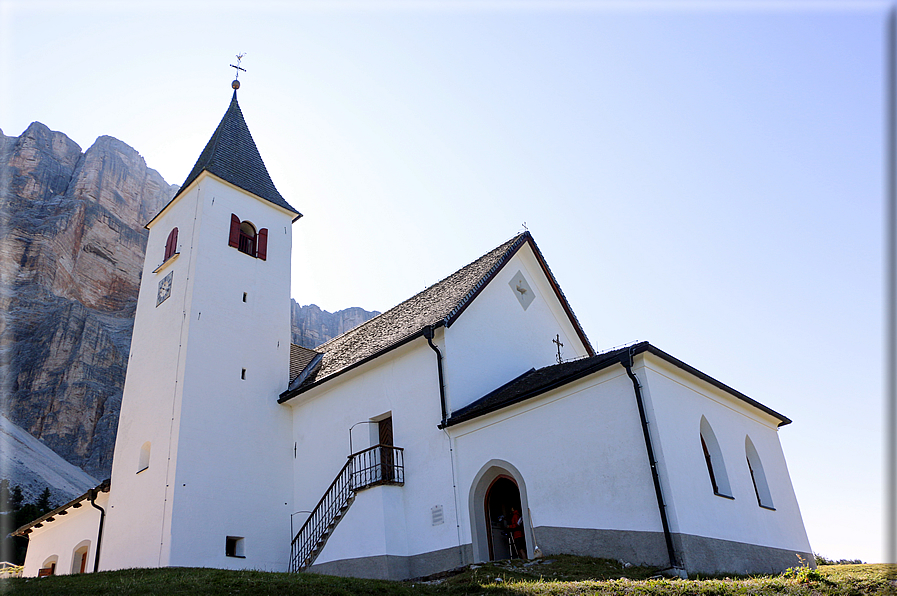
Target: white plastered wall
385,520
495,340
220,443
579,450
675,402
63,535
138,523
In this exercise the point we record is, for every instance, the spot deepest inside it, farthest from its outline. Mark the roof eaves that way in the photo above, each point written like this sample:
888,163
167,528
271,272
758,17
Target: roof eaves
561,297
484,281
718,384
605,360
102,487
291,393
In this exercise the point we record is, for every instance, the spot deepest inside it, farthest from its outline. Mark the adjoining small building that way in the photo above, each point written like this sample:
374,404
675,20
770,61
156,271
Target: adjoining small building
410,444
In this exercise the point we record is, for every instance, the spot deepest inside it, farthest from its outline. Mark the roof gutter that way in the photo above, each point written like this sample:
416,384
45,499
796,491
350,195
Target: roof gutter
429,332
626,361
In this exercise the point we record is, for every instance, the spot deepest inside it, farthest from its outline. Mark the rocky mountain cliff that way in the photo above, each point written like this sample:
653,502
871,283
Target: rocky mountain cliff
71,252
72,244
312,326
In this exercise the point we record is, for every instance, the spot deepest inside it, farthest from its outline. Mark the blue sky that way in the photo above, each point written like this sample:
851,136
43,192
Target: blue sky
707,176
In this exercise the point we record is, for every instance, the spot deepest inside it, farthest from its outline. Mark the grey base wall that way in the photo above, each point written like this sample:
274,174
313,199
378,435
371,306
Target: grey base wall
396,567
697,554
638,548
715,556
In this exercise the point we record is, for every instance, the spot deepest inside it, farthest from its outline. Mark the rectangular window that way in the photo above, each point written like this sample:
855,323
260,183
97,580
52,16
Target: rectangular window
233,547
243,374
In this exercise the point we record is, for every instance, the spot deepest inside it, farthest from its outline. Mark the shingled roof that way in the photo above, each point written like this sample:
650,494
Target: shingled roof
439,305
535,382
231,155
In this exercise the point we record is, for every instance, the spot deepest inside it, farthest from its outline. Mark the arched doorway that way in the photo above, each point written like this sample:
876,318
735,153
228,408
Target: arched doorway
501,501
495,489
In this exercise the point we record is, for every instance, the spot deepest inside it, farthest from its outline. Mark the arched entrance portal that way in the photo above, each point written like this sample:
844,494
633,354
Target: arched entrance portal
495,489
502,498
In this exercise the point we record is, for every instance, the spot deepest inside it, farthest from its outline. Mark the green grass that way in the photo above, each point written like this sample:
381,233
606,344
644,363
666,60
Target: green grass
562,576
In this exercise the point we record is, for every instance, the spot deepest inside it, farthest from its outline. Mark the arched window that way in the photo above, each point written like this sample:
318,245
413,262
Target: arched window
758,477
143,462
49,566
244,238
79,557
713,456
171,245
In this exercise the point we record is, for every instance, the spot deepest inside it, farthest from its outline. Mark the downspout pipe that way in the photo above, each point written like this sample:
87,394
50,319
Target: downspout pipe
429,332
626,361
92,495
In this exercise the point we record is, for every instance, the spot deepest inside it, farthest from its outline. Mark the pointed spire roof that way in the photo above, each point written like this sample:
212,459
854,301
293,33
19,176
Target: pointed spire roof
231,155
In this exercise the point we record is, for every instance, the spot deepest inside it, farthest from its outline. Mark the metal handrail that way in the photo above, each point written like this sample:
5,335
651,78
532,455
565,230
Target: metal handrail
380,464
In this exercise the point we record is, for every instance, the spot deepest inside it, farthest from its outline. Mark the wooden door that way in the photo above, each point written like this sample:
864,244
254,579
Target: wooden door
387,458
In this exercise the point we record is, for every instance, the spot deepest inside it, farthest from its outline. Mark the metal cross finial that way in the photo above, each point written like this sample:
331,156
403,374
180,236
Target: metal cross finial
237,65
557,340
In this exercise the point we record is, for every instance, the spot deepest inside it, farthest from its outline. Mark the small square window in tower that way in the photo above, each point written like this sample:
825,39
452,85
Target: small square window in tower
234,547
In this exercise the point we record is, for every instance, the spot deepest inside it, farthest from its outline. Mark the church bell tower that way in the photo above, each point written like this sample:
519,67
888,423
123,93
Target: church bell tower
200,471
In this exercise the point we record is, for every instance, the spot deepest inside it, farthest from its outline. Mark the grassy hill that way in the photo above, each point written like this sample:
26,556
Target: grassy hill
556,576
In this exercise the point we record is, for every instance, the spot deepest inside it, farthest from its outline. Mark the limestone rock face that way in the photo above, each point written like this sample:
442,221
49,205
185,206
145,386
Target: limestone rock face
312,326
71,253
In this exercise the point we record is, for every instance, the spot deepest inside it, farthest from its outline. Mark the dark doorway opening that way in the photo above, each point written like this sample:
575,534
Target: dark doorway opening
502,497
387,458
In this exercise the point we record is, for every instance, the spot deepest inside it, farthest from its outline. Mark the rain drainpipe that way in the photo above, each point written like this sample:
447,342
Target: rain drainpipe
626,361
429,332
92,496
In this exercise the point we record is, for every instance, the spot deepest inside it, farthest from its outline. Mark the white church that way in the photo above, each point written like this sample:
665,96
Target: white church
396,449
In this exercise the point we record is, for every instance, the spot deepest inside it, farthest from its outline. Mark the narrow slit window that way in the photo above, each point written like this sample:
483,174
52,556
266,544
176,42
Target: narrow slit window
758,476
143,461
243,374
245,295
713,459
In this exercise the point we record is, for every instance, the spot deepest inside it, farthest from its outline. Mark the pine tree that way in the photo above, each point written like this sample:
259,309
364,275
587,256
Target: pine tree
43,502
17,498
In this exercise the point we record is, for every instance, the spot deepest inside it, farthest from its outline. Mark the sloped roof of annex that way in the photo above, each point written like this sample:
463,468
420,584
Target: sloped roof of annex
75,503
439,305
536,382
232,155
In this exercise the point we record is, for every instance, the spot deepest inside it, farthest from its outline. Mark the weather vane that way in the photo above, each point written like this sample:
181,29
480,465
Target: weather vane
236,83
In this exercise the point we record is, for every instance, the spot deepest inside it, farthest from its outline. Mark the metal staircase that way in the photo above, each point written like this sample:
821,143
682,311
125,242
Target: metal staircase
380,464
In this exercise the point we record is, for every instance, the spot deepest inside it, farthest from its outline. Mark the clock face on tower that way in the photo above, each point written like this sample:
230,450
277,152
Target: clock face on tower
164,288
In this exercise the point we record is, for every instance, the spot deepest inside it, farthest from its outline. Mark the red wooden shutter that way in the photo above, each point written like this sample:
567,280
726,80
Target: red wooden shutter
171,245
262,244
234,231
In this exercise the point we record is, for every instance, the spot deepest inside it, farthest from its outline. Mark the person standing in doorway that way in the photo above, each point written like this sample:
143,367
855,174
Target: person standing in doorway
516,528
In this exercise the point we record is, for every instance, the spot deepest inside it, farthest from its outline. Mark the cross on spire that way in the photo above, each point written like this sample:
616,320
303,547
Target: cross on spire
237,65
557,340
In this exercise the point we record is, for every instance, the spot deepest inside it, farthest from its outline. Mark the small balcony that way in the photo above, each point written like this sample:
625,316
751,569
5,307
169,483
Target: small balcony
380,464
